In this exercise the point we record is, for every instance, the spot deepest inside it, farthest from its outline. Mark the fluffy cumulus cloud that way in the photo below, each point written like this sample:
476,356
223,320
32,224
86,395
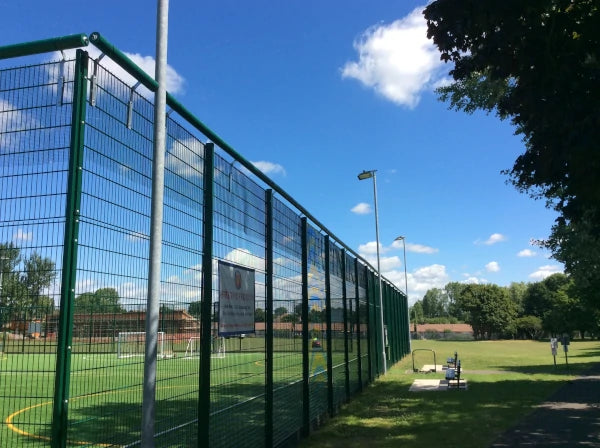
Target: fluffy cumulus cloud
545,271
492,266
362,208
21,235
397,60
370,248
427,277
493,239
526,253
175,82
473,280
415,248
269,167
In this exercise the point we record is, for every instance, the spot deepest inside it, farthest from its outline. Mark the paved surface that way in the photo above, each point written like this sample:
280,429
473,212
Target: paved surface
570,418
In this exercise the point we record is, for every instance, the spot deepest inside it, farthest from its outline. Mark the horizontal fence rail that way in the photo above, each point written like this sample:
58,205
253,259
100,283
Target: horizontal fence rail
267,323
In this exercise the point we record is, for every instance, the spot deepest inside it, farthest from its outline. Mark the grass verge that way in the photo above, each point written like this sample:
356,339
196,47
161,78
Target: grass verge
506,379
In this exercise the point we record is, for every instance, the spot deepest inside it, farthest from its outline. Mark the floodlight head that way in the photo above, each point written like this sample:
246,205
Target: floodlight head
366,175
399,238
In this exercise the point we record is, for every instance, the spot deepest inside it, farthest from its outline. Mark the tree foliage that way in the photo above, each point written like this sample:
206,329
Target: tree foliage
536,63
491,312
104,300
25,283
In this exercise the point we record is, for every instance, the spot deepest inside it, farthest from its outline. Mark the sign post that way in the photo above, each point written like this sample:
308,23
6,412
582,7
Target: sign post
554,348
565,343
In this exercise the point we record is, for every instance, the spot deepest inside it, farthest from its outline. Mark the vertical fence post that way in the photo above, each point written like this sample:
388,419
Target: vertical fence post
358,323
206,305
269,320
345,311
305,365
328,320
371,332
69,261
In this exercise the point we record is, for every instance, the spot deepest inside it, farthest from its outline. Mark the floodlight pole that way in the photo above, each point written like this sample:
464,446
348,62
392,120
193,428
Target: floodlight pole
406,289
156,218
362,176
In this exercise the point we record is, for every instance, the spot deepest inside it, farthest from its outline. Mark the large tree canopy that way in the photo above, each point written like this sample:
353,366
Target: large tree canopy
536,63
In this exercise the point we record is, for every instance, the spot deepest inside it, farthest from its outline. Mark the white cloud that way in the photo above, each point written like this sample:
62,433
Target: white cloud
545,271
492,266
184,157
471,279
397,60
387,263
21,235
362,208
174,81
526,253
370,249
269,167
416,248
493,239
135,237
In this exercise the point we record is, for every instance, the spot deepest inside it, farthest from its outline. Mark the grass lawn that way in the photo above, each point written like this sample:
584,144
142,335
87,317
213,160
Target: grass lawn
507,380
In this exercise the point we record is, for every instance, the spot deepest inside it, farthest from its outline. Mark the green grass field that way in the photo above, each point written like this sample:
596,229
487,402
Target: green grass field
506,380
106,395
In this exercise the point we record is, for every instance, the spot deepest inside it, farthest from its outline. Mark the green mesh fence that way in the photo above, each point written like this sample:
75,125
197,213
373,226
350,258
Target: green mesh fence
75,196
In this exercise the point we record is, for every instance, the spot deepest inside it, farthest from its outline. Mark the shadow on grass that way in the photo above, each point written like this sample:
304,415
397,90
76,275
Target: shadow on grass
387,415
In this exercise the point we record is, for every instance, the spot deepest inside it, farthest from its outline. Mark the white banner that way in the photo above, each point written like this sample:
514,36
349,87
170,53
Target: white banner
236,299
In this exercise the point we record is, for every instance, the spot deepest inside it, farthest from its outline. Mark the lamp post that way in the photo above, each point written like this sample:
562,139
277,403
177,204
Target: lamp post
362,176
403,239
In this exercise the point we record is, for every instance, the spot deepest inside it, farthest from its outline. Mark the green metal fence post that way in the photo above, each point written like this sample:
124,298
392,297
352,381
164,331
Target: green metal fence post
345,311
358,326
206,306
69,261
328,319
305,360
269,319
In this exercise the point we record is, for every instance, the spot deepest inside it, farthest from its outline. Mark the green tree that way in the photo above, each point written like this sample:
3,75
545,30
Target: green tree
528,327
259,315
491,312
104,300
24,281
453,292
537,64
280,311
194,309
435,303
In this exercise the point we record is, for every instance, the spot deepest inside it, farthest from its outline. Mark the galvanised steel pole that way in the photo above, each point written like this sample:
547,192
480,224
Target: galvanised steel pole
406,288
362,176
156,218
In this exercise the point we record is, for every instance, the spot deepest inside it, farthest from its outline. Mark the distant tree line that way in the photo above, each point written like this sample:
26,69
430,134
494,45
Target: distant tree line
551,307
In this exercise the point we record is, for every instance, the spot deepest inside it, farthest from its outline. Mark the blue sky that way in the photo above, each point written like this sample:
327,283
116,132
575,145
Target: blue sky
315,92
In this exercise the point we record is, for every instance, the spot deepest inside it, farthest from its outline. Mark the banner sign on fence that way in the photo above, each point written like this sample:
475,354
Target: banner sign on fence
236,299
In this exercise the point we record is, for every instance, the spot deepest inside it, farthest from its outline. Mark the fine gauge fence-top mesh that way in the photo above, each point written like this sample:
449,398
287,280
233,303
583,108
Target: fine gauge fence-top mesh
267,321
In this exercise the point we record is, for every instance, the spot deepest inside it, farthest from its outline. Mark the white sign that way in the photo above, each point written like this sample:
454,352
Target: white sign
236,299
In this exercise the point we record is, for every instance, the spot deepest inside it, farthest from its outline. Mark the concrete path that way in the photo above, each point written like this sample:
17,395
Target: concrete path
569,418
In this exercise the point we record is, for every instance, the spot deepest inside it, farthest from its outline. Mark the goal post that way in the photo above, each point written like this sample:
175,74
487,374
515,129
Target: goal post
194,347
133,343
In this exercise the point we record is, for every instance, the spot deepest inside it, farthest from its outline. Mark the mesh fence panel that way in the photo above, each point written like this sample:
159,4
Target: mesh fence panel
104,326
238,379
338,336
35,118
287,331
352,326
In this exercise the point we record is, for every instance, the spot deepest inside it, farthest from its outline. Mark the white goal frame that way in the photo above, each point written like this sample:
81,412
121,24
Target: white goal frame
194,346
139,339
